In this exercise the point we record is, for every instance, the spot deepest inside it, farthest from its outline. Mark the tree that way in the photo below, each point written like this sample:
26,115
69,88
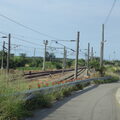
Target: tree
50,56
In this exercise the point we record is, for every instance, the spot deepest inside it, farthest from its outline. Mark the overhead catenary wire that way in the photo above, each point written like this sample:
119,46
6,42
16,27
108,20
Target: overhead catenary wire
26,41
27,27
110,12
33,43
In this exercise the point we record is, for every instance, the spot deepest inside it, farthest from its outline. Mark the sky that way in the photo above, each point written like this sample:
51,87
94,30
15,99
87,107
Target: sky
62,19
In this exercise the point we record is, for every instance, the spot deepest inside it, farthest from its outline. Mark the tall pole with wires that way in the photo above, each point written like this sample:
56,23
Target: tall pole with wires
102,48
8,54
64,59
92,54
34,54
77,54
2,62
88,58
44,58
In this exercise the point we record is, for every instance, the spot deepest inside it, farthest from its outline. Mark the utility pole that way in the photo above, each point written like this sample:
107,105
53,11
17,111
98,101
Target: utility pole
2,62
45,42
77,54
64,59
8,54
102,48
92,54
88,58
34,54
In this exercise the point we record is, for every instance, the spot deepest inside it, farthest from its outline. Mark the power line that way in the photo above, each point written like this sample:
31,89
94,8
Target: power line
108,16
34,43
3,33
26,41
27,27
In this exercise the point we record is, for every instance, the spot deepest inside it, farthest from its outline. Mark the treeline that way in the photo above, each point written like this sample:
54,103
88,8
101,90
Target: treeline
24,62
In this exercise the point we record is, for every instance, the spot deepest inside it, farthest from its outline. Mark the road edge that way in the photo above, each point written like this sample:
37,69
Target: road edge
118,95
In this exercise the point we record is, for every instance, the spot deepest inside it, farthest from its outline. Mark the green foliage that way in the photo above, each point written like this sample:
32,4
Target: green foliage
81,62
11,106
111,80
58,95
40,101
94,64
50,56
53,65
69,63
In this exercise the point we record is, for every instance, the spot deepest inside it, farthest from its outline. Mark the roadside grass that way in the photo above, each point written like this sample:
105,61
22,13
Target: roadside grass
12,107
47,100
110,80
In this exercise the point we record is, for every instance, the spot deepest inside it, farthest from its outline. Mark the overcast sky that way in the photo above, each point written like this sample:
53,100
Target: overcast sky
62,19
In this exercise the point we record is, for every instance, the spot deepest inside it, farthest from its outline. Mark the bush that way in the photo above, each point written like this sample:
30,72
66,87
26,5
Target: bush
58,95
66,92
111,80
11,106
40,101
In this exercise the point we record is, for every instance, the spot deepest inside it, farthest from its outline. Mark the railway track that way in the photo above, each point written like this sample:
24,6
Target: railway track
46,73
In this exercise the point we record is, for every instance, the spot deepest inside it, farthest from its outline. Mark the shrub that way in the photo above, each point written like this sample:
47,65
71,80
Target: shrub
40,101
11,106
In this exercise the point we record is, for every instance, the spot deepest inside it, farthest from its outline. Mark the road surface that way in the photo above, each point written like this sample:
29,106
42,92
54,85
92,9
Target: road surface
95,103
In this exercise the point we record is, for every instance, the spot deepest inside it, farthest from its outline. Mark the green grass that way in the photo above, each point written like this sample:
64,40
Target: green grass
29,68
14,107
11,107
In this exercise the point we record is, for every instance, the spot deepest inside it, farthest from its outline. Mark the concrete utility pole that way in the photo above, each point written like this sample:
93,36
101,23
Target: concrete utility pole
8,54
34,54
88,56
77,54
2,62
64,59
92,54
44,58
102,48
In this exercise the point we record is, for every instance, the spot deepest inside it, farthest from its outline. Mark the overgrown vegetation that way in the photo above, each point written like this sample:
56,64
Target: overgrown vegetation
111,80
12,107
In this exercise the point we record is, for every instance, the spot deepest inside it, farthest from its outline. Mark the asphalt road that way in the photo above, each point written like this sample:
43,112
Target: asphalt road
95,103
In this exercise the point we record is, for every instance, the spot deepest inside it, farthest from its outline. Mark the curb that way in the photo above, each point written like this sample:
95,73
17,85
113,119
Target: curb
118,95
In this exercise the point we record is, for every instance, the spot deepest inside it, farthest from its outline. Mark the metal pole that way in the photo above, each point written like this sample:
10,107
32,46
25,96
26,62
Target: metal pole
44,58
2,62
102,48
77,53
8,54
